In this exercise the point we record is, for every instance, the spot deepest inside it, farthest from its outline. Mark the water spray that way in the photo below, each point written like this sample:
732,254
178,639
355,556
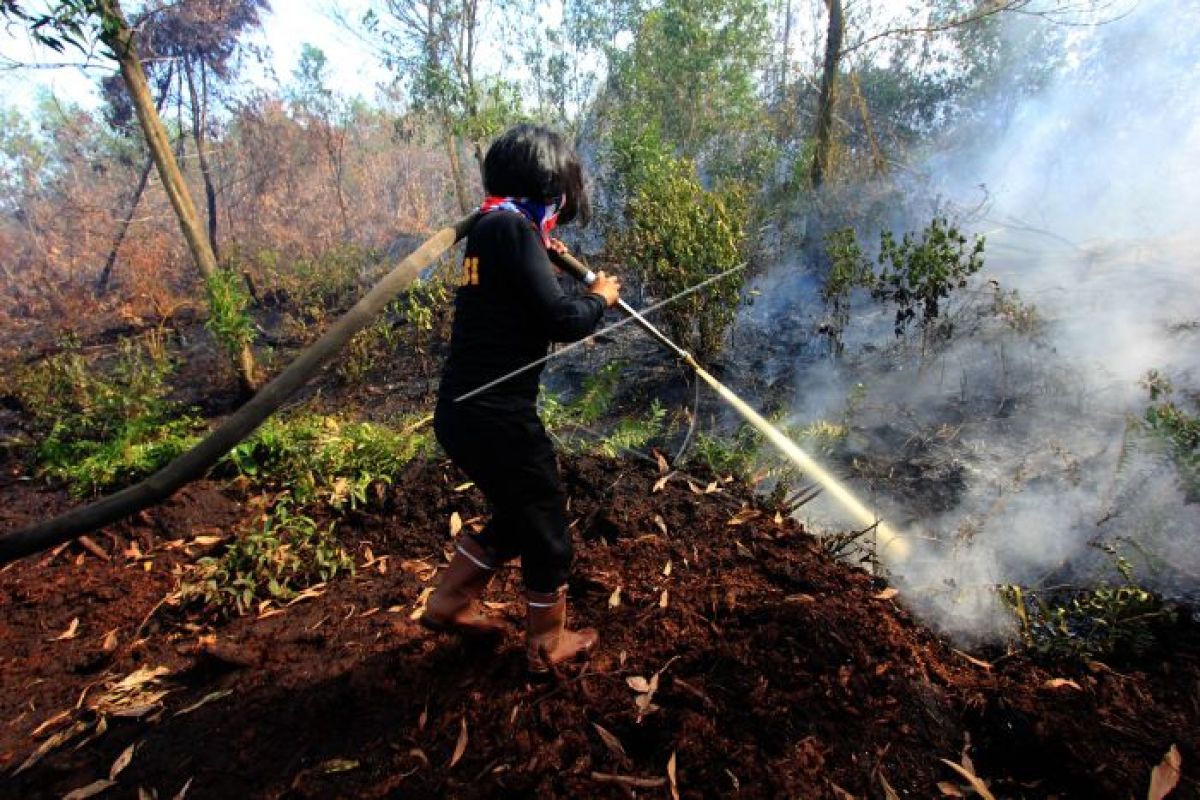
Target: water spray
888,541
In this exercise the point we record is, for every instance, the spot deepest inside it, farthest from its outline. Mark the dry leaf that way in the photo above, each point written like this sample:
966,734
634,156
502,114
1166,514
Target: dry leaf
182,793
208,698
611,742
661,483
662,599
109,642
461,746
1165,777
886,594
462,487
743,550
614,599
671,777
638,684
419,567
455,524
667,569
53,722
949,789
310,593
135,695
841,793
1059,683
743,516
712,487
424,718
661,524
694,488
122,761
205,541
70,633
977,662
888,792
419,608
91,790
338,765
57,740
978,785
663,467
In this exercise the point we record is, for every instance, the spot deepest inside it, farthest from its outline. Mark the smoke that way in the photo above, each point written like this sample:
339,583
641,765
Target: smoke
1017,441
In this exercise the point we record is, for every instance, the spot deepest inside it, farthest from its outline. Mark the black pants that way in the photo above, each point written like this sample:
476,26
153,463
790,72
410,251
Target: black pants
508,455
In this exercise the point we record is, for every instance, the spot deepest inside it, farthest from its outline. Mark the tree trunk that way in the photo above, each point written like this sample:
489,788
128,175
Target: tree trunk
106,273
197,461
199,102
143,179
119,38
828,96
460,187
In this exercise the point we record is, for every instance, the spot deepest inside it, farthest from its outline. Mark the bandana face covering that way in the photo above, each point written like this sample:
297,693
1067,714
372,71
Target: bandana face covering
544,216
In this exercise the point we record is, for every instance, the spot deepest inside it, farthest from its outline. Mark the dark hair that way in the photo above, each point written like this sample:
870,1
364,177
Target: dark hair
535,162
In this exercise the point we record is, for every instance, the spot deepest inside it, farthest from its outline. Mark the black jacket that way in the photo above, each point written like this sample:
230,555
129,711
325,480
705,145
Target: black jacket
508,309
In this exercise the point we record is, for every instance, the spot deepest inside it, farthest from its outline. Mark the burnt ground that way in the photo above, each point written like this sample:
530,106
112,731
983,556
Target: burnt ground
740,653
781,673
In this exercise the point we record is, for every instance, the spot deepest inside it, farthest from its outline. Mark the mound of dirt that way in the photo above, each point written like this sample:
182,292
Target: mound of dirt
736,659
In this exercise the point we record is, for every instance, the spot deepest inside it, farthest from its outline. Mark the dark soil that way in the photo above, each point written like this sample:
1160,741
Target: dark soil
780,672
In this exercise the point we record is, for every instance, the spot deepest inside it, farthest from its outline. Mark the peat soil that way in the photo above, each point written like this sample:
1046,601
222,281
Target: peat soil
734,660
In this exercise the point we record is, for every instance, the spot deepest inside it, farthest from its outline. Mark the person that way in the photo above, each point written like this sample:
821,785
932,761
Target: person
508,308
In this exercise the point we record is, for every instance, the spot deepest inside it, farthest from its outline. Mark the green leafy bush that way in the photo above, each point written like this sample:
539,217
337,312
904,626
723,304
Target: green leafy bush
228,319
632,433
284,554
679,234
848,268
418,306
104,427
1176,428
1108,620
916,275
324,458
562,419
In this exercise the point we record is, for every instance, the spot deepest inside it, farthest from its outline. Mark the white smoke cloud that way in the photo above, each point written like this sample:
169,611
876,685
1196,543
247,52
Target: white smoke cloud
1093,191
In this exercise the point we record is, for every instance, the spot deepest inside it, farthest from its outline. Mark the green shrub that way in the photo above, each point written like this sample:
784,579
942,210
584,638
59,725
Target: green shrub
323,458
563,419
728,455
228,319
915,274
418,307
284,554
632,433
1105,621
848,268
101,428
1176,429
679,234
